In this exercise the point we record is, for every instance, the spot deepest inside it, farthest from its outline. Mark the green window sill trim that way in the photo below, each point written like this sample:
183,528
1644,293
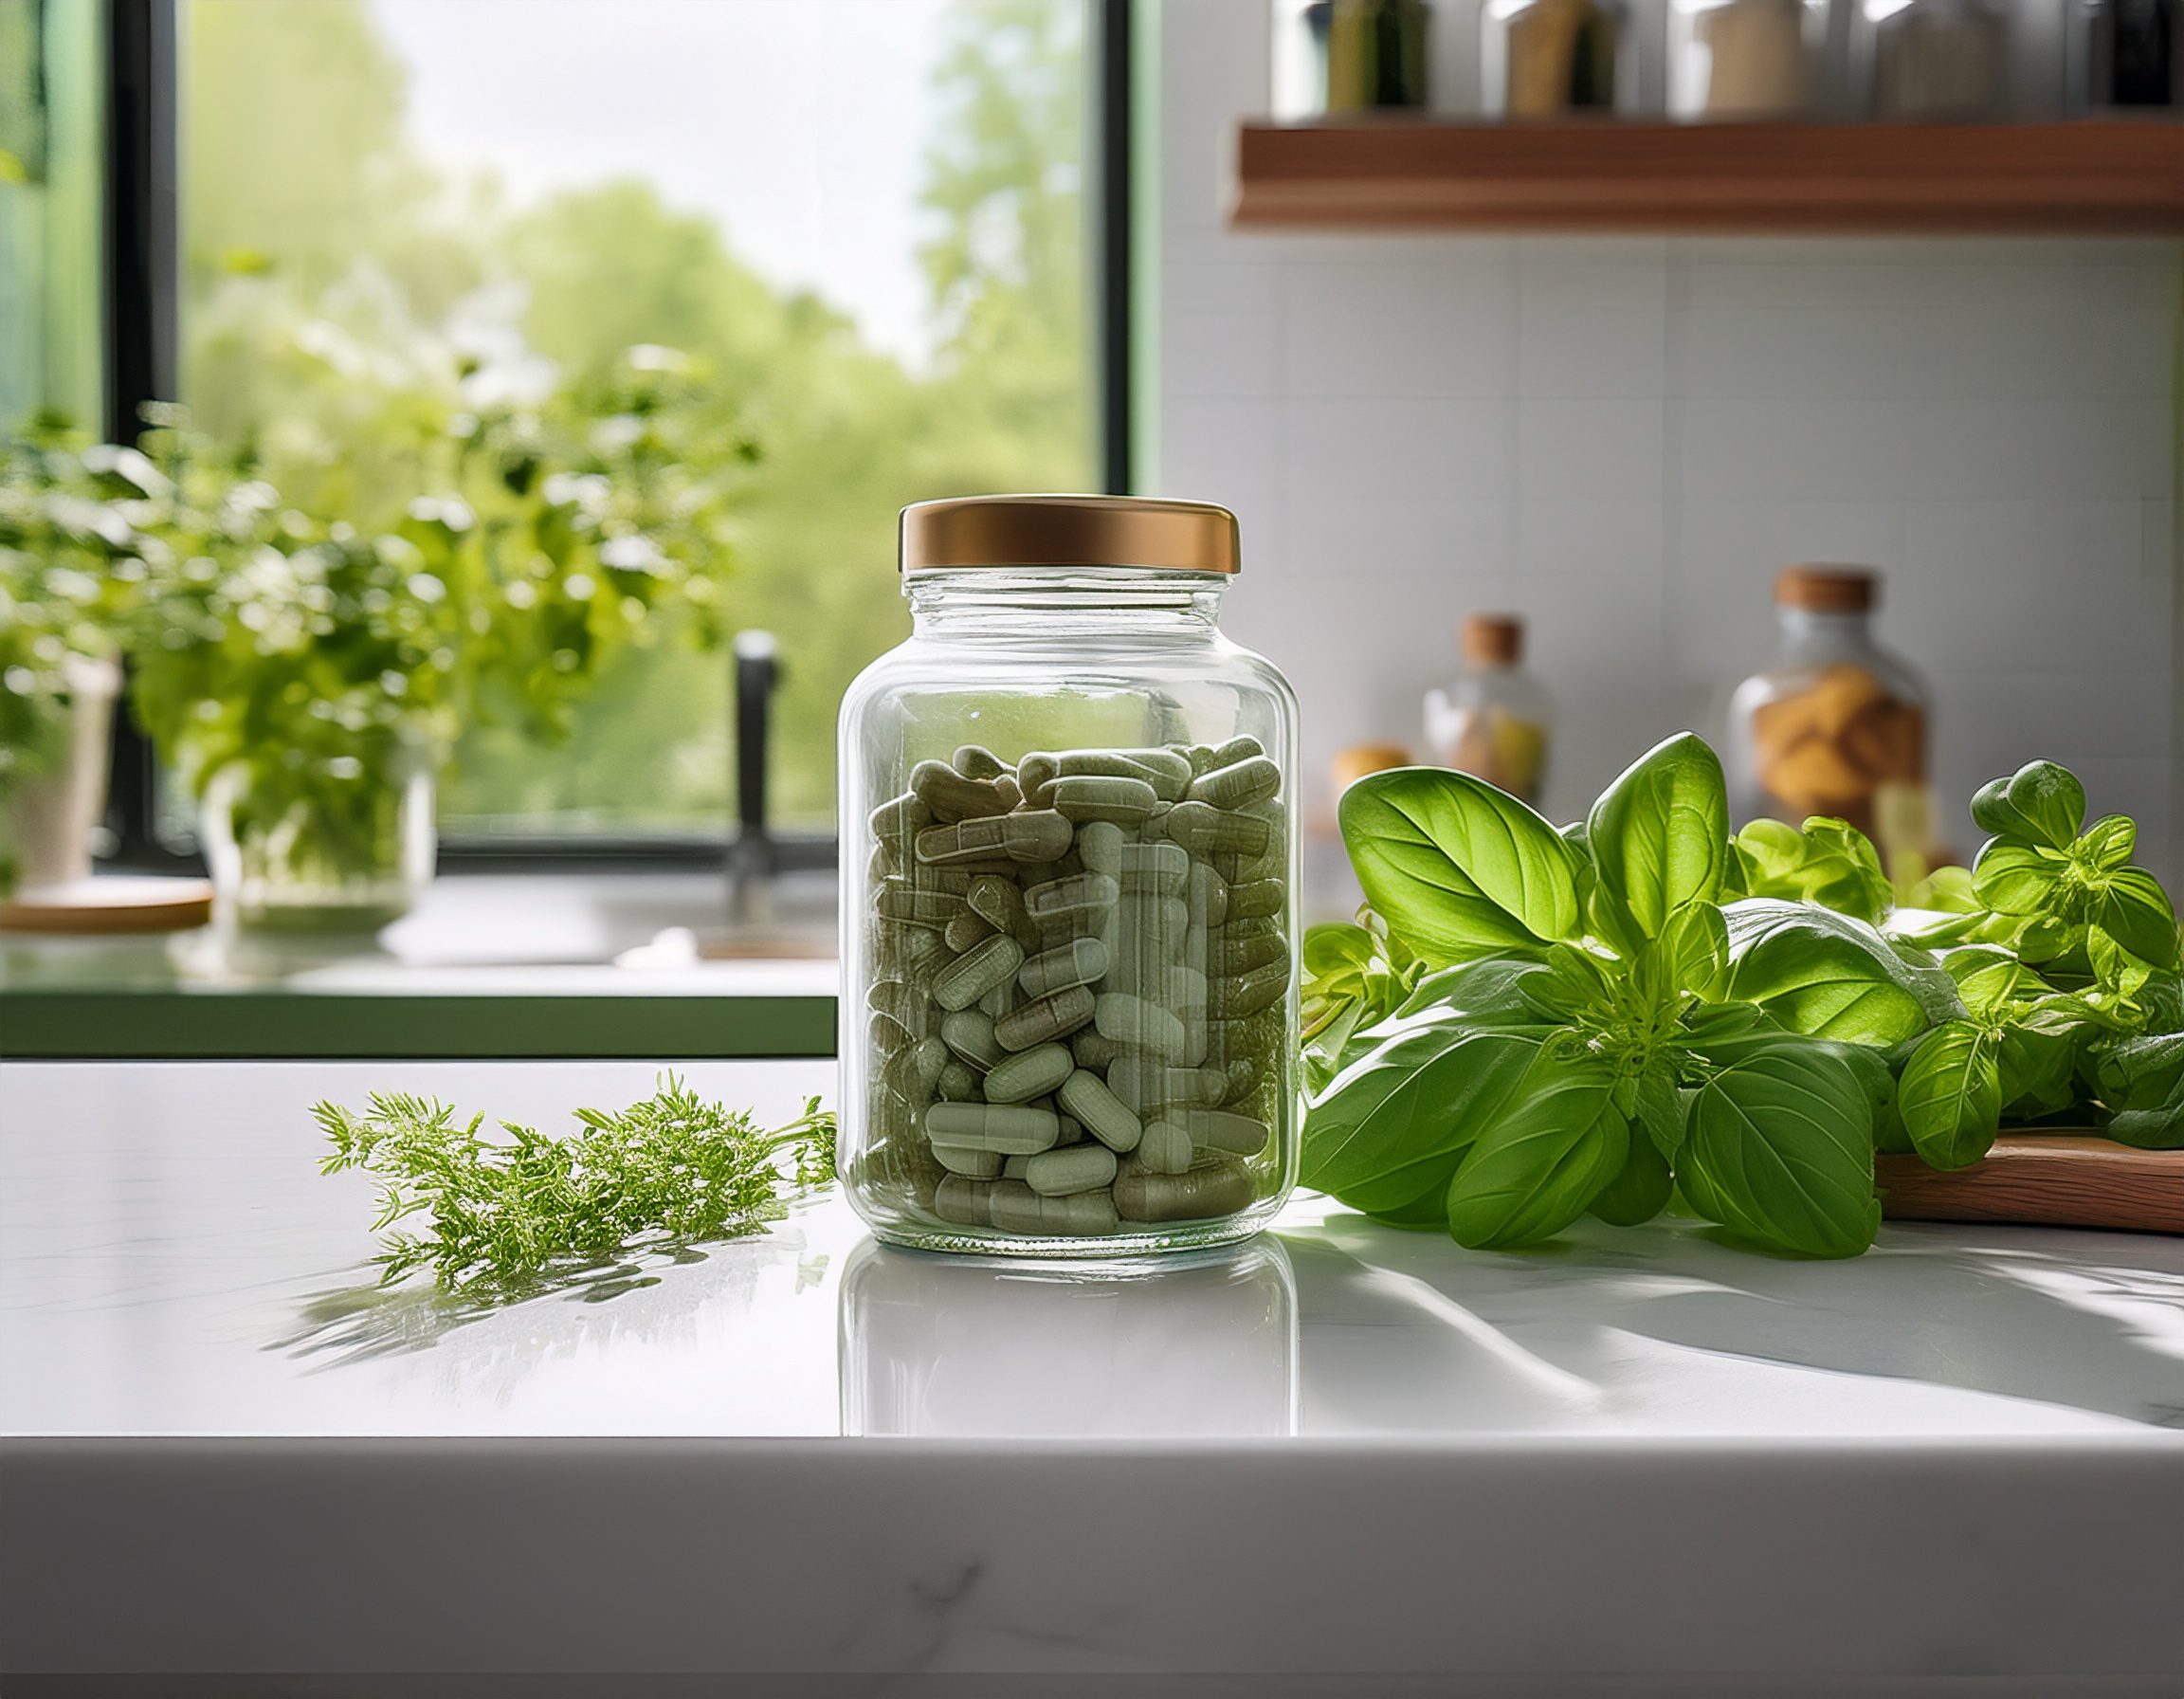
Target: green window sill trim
246,1025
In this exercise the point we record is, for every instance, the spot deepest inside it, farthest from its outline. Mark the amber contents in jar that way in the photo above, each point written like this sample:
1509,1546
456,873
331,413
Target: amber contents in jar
1494,721
1558,56
1828,738
1757,53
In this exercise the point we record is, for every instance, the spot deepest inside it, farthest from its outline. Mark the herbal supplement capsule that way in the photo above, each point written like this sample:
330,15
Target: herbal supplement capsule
1126,801
1085,895
954,881
899,900
1161,867
1101,763
1252,780
1076,963
971,976
1142,1024
1206,894
1261,987
997,901
905,1005
1012,1130
959,1083
1235,750
951,797
1080,1215
1029,1073
1035,772
966,1202
1012,792
965,930
896,822
1200,755
1099,844
1220,1129
1037,835
1094,1051
1249,870
1046,1020
974,761
1229,954
1103,1115
1153,829
1058,1173
969,1033
1145,1085
1015,1167
1000,1000
886,861
1257,898
1072,1131
1220,1188
969,1161
1168,771
1207,831
1165,1148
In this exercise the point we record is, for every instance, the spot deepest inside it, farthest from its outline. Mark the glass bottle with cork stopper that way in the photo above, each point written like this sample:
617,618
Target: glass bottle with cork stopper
1494,719
1836,725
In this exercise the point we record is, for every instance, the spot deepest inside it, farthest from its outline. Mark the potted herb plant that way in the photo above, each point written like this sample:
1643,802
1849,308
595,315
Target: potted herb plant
306,675
70,563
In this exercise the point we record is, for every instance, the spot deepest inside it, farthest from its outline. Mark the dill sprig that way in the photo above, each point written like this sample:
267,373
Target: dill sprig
506,1214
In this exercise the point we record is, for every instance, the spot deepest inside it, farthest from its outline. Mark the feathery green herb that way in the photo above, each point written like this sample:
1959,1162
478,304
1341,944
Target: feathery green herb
674,1169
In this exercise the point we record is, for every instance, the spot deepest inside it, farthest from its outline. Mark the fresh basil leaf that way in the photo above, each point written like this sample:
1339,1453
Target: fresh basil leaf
1947,890
1637,1194
2115,969
1393,1125
2132,909
1829,976
2153,1127
1779,1149
1830,863
1660,838
1694,952
2013,878
2137,1073
1543,1158
1659,1109
1490,992
1724,1033
2107,843
1457,868
1428,1213
1986,976
2041,802
2036,1066
1951,1094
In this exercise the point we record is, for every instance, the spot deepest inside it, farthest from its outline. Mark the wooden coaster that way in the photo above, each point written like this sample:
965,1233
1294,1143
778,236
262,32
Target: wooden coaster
120,903
2051,1179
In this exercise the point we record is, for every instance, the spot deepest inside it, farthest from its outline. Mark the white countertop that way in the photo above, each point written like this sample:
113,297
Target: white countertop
182,1293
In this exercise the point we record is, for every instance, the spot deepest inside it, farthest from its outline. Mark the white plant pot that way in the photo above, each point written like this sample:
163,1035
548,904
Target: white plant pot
51,817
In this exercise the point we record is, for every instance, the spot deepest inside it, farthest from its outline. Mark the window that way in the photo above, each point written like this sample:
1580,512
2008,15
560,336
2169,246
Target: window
860,227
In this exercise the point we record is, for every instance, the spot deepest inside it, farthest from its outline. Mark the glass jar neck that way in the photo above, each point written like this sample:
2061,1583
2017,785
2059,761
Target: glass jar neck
1810,635
1000,603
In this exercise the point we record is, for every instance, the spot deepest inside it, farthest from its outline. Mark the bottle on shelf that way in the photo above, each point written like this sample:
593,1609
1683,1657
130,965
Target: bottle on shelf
2122,55
1554,58
1936,59
1835,725
1494,719
1744,59
1376,55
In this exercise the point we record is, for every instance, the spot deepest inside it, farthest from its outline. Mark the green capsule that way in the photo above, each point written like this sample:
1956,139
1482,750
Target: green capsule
970,976
1059,1173
1046,1020
1247,993
1255,899
974,761
1029,1073
1219,1188
969,1033
1228,956
1012,1130
1252,780
1124,801
899,900
959,1083
1237,749
953,797
966,930
1207,831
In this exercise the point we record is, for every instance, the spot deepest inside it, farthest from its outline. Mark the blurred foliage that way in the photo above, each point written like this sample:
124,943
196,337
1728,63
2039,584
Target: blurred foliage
352,307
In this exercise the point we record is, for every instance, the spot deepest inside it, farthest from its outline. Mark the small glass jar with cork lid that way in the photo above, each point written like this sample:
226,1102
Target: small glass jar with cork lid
1836,725
1068,1019
1494,719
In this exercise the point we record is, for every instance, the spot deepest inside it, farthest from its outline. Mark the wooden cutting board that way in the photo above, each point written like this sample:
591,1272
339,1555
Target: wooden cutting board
113,902
2052,1180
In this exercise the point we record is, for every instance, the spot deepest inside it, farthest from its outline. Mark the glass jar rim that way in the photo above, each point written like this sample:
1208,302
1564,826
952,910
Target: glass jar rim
1032,533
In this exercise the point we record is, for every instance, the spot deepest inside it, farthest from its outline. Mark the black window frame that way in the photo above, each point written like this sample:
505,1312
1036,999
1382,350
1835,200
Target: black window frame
142,321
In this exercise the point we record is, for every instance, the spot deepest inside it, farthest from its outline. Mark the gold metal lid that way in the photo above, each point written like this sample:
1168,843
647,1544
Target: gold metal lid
1036,531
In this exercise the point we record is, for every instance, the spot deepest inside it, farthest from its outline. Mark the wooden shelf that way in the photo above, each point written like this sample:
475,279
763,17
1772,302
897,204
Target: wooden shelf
2094,178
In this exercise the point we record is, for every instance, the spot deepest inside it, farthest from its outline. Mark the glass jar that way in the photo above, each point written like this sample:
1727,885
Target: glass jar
1837,725
1936,59
1376,55
1068,909
1549,58
2121,55
334,845
1744,59
1494,719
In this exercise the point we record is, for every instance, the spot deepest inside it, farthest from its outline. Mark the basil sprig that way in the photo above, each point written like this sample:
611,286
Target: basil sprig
1529,1024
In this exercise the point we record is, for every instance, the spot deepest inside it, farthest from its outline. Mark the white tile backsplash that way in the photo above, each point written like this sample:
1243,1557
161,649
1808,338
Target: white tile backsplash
1625,438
